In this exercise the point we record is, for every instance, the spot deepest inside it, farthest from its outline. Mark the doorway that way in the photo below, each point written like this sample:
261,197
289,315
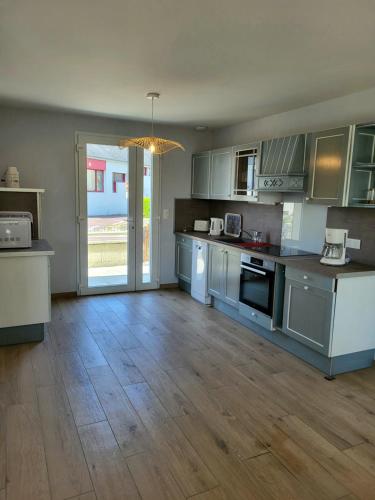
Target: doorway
117,216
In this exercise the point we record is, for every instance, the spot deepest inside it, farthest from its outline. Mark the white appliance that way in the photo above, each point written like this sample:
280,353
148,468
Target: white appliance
199,272
232,226
15,229
202,226
216,226
334,249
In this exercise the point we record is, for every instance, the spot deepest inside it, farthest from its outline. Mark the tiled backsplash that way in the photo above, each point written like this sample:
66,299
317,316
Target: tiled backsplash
187,210
265,218
361,225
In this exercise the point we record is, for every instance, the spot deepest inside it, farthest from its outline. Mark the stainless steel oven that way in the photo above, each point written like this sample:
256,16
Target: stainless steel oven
257,289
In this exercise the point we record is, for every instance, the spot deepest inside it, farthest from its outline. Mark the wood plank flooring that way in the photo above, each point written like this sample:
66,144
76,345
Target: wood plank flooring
153,396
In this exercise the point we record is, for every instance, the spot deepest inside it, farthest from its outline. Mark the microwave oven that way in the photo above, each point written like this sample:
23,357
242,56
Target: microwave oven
15,229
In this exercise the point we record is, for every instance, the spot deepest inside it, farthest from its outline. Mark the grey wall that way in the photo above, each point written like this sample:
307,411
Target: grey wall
41,145
354,108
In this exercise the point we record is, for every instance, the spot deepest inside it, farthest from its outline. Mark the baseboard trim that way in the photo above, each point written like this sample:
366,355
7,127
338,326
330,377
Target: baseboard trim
169,285
63,295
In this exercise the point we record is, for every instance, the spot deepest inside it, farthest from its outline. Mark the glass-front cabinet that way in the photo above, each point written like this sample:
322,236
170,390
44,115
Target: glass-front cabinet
246,166
362,172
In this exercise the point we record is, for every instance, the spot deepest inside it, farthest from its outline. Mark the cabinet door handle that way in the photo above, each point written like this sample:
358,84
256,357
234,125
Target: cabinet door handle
305,287
305,277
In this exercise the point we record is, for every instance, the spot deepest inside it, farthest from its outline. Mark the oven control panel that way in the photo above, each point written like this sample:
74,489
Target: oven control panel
250,259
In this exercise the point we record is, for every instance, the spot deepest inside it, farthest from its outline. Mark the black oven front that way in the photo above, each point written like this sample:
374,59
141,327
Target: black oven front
257,283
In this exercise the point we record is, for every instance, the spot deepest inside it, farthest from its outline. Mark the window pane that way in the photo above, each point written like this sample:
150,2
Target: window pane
147,211
108,218
99,181
90,180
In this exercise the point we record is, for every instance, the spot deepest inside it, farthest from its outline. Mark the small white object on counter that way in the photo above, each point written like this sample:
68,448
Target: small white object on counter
202,226
12,178
216,226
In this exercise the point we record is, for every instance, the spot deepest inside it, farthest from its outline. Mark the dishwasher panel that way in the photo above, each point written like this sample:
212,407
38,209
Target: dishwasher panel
199,276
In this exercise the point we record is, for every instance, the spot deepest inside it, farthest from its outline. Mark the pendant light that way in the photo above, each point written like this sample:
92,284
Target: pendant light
156,145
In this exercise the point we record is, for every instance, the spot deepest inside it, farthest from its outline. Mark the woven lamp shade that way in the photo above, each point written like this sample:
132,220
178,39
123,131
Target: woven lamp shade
156,145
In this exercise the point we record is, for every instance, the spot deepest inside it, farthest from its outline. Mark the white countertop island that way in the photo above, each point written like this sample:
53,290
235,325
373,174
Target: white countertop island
25,294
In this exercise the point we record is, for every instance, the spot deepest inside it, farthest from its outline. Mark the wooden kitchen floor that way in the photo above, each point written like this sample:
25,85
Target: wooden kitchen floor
153,396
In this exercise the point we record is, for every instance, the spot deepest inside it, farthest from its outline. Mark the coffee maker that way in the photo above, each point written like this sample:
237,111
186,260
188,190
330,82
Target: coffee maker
334,248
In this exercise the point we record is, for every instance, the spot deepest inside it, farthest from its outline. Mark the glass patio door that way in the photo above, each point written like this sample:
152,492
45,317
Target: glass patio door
118,222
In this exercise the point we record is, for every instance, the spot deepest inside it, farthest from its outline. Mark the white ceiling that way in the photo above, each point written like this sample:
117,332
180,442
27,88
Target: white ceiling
215,62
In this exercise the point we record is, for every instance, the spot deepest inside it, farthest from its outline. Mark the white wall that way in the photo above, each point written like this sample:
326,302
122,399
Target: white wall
41,144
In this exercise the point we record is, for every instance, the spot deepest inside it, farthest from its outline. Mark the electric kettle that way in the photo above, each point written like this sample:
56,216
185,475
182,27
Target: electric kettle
216,226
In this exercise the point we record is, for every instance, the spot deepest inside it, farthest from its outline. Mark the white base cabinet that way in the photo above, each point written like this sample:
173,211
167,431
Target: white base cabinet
24,291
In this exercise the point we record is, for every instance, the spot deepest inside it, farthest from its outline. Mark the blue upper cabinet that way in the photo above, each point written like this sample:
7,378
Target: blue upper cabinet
200,175
212,174
328,163
245,169
221,174
362,172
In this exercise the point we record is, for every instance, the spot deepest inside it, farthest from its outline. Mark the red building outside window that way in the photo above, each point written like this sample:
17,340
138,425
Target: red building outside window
95,175
116,178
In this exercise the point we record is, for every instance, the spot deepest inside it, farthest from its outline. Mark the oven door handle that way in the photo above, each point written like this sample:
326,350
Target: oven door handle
258,271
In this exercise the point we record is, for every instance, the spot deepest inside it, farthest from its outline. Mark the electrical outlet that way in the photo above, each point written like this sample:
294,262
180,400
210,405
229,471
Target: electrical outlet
353,243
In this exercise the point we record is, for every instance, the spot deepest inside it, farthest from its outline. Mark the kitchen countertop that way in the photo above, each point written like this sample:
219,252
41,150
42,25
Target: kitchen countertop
307,263
38,248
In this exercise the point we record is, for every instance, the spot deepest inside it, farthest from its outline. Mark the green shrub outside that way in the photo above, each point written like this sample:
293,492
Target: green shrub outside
146,207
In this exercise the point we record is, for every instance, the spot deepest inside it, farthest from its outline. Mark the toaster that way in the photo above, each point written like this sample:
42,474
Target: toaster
202,225
15,229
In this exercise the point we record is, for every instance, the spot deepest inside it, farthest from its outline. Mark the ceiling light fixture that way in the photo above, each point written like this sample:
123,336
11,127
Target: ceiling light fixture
155,145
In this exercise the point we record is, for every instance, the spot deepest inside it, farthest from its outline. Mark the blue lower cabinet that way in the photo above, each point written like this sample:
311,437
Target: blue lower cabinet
184,254
308,314
224,274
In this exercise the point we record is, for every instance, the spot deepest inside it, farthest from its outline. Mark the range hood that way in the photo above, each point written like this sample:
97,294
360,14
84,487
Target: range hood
282,166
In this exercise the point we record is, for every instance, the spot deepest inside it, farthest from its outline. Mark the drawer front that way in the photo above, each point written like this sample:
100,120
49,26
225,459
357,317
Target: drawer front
255,316
312,279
